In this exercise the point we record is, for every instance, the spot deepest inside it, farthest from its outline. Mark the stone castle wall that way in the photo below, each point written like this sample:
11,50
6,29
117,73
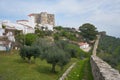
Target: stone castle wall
103,71
100,69
45,18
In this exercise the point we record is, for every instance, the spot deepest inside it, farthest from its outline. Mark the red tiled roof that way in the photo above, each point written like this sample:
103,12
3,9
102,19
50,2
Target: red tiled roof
31,14
82,43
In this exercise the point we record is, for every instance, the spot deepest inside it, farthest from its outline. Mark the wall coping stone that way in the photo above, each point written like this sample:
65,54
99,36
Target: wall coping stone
105,69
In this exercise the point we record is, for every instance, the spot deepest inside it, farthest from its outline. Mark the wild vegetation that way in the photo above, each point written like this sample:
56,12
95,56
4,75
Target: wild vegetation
13,67
81,71
56,53
109,50
49,48
88,31
66,33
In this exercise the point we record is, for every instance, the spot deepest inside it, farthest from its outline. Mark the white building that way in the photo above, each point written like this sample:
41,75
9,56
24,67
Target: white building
28,29
5,44
21,25
43,21
32,20
29,22
0,25
1,30
2,46
10,36
24,22
83,45
46,27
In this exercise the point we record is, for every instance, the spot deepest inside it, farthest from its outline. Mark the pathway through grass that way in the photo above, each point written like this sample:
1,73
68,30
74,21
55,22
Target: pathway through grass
82,71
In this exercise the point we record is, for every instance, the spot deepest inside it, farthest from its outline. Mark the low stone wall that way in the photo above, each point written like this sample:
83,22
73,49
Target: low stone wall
67,72
103,71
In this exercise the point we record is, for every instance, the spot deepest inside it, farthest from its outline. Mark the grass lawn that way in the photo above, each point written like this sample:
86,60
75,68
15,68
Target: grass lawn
12,67
81,71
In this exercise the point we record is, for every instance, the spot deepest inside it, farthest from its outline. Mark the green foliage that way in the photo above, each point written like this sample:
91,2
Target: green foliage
58,53
61,44
42,33
73,50
109,50
17,32
88,31
55,56
58,28
72,37
82,70
48,33
55,53
27,39
42,43
39,32
28,52
30,38
69,35
118,67
12,67
3,26
66,33
52,53
20,39
56,36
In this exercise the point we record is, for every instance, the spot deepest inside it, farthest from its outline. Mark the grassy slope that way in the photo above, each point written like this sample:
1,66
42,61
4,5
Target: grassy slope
81,71
12,67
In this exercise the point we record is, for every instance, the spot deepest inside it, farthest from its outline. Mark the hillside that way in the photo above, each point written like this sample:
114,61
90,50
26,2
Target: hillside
109,50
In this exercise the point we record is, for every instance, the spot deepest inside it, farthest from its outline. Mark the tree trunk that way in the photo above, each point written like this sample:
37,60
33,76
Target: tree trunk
29,61
53,68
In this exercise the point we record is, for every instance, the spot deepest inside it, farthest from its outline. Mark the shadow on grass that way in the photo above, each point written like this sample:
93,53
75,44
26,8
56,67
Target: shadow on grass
1,77
44,69
20,61
24,61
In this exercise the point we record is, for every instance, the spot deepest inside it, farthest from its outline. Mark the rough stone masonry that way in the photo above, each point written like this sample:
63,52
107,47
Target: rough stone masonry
100,69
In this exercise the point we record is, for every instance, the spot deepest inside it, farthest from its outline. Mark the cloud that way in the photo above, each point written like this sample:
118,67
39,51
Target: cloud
102,13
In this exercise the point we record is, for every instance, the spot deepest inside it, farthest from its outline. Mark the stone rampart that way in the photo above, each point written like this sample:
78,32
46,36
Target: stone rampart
103,71
100,69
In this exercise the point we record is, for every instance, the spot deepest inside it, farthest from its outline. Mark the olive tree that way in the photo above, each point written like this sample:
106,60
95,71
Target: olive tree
26,52
55,56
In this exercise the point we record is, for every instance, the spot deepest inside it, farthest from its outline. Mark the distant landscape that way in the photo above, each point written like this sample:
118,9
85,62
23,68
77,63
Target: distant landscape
109,50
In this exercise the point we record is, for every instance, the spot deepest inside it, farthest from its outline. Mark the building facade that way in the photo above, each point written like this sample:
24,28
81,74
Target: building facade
42,18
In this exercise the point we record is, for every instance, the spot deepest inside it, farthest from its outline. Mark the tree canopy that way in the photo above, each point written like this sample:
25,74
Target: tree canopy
109,50
26,52
52,53
88,31
55,56
56,52
26,39
30,38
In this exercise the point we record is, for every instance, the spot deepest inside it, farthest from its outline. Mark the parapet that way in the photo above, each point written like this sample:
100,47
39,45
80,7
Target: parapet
102,70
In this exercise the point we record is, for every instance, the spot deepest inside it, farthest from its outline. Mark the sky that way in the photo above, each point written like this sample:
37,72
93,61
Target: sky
103,14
